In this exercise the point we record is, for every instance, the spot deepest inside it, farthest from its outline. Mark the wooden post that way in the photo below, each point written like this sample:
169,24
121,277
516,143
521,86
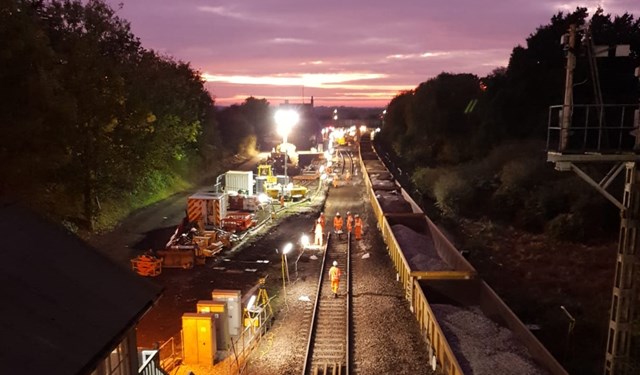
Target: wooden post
568,90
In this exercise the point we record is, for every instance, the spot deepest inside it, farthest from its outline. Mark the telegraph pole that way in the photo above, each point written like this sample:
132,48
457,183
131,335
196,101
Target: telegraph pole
568,88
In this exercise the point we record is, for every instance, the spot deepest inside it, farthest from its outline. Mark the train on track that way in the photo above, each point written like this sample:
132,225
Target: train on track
467,327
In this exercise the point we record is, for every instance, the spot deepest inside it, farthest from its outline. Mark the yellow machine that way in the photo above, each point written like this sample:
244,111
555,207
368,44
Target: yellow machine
299,191
266,170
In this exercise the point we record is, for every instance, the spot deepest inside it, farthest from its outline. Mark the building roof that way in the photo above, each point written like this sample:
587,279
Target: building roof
64,306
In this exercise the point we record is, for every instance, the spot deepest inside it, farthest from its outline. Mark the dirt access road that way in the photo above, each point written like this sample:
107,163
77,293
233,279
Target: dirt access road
150,227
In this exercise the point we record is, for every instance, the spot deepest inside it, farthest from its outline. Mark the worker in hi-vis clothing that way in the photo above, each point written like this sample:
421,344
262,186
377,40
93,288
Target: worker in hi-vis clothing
322,220
337,223
319,232
349,222
334,274
357,222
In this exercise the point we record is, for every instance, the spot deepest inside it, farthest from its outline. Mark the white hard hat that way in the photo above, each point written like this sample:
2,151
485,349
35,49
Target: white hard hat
335,262
337,213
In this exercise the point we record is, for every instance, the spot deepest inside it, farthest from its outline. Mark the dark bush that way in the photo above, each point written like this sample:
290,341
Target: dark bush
568,227
454,194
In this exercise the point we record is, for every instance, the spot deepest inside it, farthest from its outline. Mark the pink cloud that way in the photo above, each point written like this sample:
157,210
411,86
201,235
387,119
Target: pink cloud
404,43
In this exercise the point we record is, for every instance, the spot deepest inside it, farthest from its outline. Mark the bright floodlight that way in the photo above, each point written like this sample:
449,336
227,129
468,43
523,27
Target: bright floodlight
304,240
287,248
285,120
252,300
363,129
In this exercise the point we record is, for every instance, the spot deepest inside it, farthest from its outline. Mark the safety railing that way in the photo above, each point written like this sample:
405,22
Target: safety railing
242,346
169,356
150,363
609,128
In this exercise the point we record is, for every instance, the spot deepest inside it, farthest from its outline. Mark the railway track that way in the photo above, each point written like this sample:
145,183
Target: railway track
329,345
346,162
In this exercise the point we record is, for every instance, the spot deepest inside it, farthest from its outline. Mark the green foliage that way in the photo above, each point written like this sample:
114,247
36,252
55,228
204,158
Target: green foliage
454,194
92,115
424,179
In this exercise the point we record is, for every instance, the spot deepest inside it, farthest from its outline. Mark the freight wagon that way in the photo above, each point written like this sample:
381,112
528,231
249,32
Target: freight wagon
445,293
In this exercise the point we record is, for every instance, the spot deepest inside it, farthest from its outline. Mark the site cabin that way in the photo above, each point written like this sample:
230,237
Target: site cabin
207,208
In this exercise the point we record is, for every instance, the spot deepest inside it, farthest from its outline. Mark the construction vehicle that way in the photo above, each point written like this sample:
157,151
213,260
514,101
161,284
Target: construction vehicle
266,170
274,189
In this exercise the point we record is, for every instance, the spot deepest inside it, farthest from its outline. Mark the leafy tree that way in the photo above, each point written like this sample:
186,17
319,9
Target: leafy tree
93,46
87,112
235,127
258,114
29,99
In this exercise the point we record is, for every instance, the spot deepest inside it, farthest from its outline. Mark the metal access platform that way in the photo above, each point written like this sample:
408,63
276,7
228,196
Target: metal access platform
608,135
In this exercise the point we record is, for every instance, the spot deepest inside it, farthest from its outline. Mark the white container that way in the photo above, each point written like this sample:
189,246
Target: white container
238,180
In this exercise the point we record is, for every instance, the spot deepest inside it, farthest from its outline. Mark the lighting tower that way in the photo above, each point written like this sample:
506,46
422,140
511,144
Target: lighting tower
286,119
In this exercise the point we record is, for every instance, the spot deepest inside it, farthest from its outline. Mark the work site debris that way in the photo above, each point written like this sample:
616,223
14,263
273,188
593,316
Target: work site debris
147,265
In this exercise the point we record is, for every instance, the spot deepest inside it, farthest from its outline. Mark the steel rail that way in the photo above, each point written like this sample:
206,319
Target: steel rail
328,349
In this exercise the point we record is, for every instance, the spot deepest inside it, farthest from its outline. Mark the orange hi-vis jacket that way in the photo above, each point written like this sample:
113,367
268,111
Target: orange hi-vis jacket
358,227
337,223
334,273
349,223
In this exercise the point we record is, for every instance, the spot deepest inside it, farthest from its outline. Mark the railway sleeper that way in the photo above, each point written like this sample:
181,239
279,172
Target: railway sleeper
336,368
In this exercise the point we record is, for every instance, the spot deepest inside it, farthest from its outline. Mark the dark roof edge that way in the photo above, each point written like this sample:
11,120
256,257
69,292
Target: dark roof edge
104,352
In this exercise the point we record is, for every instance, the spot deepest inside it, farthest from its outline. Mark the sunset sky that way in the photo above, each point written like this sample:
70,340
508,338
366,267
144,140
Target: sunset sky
352,52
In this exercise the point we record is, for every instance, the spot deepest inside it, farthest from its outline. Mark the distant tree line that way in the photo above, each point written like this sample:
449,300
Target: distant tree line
244,126
93,124
476,146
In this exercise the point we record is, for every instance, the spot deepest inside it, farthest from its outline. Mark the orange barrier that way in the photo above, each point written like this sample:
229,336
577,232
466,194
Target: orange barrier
145,265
